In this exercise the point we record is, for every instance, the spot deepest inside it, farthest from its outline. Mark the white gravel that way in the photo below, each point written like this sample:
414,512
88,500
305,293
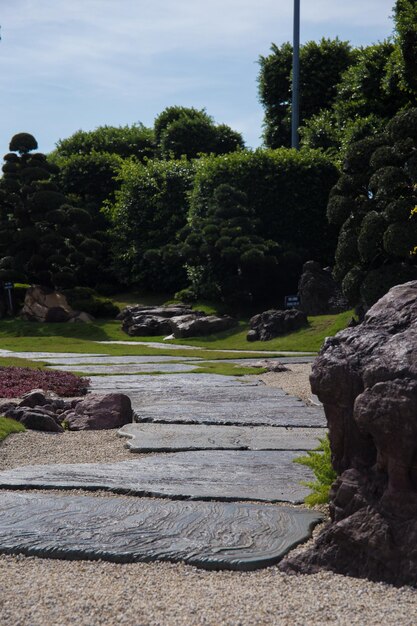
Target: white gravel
46,592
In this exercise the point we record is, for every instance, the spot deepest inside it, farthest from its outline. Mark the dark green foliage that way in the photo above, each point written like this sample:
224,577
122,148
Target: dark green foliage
188,137
149,210
89,178
23,143
40,233
321,68
227,260
88,300
125,141
404,59
183,131
287,192
320,462
377,193
346,94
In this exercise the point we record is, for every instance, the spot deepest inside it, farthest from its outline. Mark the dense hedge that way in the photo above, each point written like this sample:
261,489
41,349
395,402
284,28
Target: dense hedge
150,208
287,190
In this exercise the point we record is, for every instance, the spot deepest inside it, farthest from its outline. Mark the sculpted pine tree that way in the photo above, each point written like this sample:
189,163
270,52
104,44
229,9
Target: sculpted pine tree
371,204
42,237
226,259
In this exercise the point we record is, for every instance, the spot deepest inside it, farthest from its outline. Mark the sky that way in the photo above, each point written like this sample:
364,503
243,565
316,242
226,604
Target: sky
67,65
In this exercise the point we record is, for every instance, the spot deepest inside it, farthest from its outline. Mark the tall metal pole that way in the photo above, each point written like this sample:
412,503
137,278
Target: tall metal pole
295,121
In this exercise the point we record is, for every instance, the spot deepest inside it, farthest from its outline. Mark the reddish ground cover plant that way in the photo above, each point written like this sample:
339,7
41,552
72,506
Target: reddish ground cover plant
15,381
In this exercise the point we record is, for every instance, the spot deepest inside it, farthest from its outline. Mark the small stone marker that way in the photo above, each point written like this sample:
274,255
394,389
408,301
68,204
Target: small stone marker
146,437
205,474
211,535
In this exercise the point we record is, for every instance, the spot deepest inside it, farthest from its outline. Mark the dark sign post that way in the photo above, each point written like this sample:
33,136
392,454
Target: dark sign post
8,288
292,302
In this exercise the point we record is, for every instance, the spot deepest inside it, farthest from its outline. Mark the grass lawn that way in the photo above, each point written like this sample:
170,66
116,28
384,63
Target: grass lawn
309,339
21,336
17,362
8,426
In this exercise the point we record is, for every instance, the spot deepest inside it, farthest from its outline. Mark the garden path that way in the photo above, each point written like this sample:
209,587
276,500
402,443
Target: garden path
240,438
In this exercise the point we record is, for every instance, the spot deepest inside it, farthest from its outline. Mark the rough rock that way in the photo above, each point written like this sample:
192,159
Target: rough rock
33,398
271,366
366,378
272,323
37,419
195,326
146,326
113,410
319,293
170,310
45,305
177,320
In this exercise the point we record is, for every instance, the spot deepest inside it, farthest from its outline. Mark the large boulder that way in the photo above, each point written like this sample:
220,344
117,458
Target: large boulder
366,378
96,412
272,323
177,320
197,325
318,291
45,305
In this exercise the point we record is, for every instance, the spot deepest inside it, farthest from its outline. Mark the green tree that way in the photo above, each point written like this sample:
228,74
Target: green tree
226,260
135,140
183,131
321,67
42,238
371,205
404,57
148,211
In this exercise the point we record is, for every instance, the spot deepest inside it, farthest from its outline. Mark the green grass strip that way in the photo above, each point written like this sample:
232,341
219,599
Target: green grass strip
9,426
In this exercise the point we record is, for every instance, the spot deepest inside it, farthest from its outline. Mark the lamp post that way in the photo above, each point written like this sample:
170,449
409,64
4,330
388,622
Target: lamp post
295,118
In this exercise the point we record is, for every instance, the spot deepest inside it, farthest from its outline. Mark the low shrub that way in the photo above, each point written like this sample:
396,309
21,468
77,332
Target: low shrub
86,299
15,381
319,460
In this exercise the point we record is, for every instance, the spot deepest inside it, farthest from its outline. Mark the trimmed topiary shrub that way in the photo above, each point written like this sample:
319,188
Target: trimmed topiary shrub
371,204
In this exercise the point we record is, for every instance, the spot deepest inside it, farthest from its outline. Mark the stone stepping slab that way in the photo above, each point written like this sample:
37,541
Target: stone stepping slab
203,475
145,437
210,535
107,369
211,399
97,359
232,412
159,386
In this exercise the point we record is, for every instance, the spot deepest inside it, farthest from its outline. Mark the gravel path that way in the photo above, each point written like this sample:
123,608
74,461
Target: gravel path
45,592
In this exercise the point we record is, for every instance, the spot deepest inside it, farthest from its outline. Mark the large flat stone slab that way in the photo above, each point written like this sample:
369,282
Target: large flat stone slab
204,475
211,399
148,437
211,535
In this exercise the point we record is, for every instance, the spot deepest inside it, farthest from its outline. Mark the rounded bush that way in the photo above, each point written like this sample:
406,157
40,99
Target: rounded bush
31,174
23,143
45,201
11,157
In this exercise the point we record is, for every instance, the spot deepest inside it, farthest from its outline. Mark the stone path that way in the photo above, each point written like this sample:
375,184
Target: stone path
238,537
148,437
211,399
240,438
205,475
